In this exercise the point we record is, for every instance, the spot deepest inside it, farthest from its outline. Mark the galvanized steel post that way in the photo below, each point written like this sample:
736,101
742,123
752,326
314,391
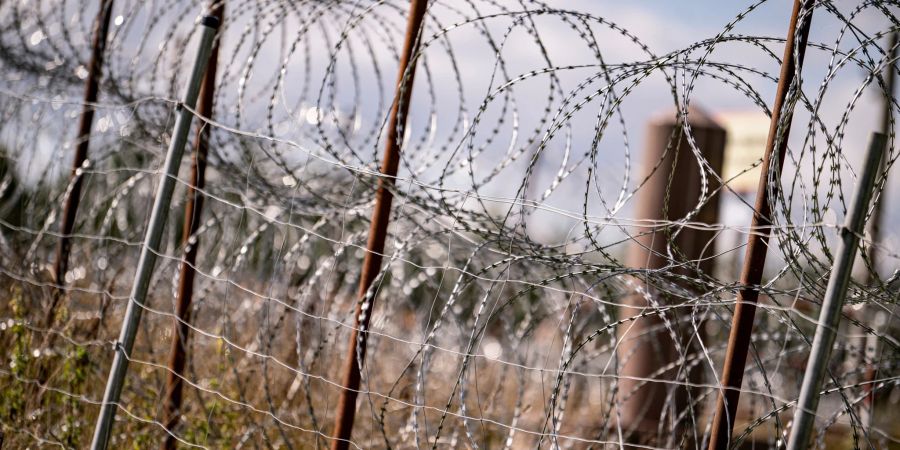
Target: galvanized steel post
193,209
131,322
838,282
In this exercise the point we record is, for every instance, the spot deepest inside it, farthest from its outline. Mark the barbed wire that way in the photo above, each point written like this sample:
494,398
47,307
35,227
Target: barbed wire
562,260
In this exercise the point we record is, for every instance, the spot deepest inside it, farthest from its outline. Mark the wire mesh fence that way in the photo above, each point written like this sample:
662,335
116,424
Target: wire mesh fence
561,263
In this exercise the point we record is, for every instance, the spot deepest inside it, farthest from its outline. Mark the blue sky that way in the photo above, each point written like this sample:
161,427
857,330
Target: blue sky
664,26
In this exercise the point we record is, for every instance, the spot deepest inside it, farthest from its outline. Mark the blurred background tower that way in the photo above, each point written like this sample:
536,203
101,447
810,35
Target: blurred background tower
747,132
672,190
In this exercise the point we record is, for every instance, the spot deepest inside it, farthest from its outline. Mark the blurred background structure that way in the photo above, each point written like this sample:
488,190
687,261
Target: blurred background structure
444,224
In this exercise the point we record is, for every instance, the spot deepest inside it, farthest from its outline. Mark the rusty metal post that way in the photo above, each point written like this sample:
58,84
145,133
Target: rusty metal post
193,209
757,248
670,193
346,410
70,209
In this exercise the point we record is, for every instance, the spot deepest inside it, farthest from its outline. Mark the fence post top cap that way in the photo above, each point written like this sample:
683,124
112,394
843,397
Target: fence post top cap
696,117
210,21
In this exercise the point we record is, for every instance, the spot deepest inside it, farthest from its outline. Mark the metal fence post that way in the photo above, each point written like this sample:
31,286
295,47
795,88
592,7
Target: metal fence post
346,409
193,209
757,248
131,322
890,75
70,209
830,315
